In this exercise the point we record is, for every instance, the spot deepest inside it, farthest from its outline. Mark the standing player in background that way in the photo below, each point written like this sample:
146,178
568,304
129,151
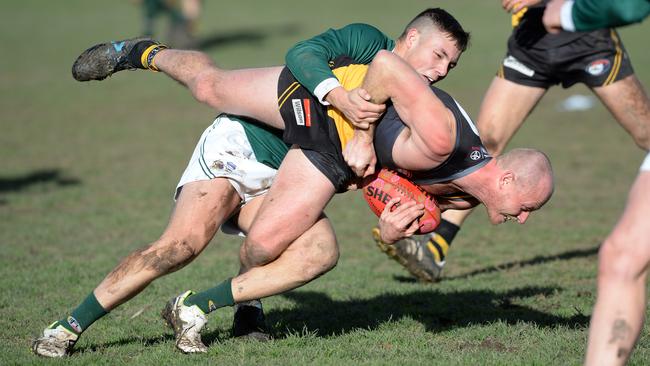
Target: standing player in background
624,257
183,19
534,62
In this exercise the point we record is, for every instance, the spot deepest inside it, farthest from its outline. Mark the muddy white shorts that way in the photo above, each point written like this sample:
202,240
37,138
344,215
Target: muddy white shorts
225,152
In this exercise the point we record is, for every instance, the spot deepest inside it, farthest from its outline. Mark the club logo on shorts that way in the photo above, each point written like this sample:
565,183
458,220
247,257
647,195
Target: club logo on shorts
598,67
512,63
74,324
217,165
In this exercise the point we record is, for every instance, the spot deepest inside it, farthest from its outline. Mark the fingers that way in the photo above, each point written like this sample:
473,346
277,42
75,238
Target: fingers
415,225
362,124
366,105
370,170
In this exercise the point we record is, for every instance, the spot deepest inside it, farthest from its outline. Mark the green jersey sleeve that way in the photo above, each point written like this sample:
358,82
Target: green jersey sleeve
594,14
308,60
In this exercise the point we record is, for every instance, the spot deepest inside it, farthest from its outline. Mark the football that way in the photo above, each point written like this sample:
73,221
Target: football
388,184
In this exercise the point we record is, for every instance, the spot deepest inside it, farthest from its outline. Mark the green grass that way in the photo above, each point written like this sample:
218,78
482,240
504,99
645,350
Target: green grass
88,172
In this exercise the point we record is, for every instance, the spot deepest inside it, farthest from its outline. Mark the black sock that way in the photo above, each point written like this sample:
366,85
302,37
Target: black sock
135,56
447,230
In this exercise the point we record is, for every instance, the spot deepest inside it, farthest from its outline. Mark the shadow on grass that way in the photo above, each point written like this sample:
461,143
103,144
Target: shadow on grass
152,341
437,311
15,184
245,36
540,259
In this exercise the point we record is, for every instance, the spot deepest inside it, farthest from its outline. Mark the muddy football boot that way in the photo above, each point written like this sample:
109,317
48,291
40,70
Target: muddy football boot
103,60
55,342
187,322
414,254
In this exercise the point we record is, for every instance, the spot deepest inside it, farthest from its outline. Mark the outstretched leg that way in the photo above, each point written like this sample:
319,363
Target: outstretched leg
200,210
246,92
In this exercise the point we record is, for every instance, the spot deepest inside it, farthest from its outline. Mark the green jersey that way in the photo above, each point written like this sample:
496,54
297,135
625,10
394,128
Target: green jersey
594,14
309,60
266,141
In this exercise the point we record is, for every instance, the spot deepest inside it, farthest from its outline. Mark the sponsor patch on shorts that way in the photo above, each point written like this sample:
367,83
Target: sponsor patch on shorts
512,63
298,112
598,67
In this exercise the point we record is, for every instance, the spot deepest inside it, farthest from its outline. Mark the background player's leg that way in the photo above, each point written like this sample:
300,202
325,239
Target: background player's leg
504,108
623,268
627,101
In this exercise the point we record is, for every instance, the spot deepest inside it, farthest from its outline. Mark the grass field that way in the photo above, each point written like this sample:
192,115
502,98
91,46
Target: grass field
88,172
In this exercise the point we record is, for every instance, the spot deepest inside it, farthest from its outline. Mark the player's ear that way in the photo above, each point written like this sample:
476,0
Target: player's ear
507,178
412,36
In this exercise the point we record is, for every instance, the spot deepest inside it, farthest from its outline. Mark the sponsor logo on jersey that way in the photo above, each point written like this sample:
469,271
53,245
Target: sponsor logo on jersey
476,154
298,112
598,67
74,324
512,63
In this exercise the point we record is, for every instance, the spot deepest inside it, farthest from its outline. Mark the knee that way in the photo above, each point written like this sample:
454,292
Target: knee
619,260
258,252
205,88
319,259
492,143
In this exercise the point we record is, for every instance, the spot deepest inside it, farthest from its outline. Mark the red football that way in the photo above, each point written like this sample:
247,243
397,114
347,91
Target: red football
387,184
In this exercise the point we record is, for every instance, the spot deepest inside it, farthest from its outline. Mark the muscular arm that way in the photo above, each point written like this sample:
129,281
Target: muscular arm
430,136
308,60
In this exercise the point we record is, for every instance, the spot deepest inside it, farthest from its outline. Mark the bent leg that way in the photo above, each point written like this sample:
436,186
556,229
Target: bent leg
293,204
505,107
246,92
629,104
623,268
200,210
314,253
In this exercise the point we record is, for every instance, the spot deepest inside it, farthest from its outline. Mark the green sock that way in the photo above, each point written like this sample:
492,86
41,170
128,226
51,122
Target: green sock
212,299
84,315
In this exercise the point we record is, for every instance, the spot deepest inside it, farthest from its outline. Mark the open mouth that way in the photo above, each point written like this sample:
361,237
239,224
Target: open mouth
511,218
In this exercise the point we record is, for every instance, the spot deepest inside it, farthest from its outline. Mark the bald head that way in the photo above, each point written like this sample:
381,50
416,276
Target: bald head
532,170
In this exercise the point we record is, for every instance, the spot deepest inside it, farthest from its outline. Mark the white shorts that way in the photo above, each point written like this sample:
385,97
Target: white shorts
645,166
223,151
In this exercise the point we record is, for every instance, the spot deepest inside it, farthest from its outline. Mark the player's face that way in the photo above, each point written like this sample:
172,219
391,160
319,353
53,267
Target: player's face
516,205
431,53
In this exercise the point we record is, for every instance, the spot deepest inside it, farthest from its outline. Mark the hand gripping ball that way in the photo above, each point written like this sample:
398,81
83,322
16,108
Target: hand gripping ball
388,184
